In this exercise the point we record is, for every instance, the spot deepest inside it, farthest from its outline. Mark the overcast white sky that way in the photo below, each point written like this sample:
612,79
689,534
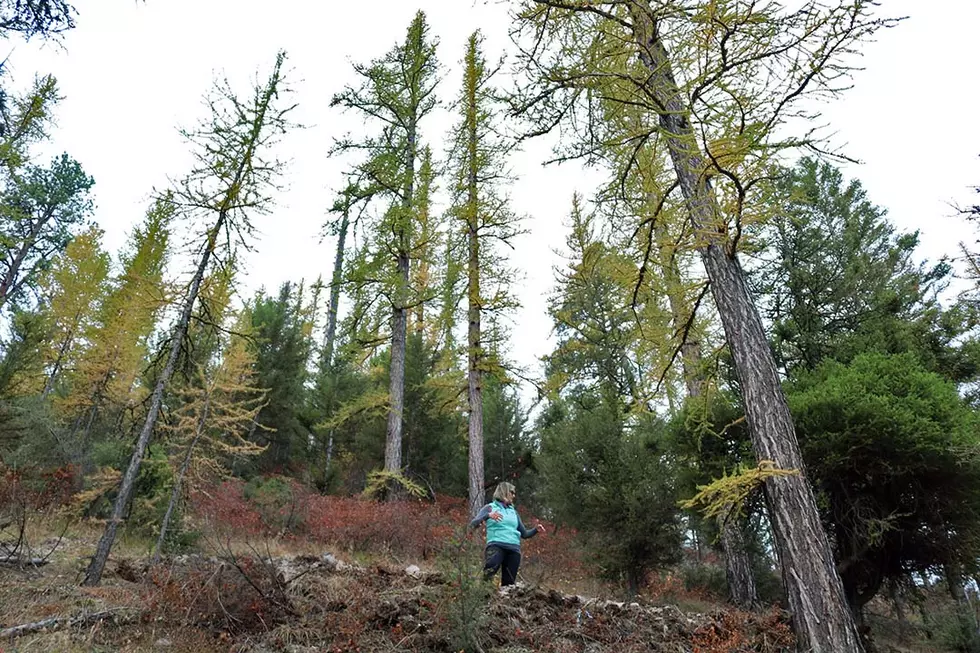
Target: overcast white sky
132,71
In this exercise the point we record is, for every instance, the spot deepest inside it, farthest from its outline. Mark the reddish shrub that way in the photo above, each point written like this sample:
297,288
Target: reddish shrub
735,630
366,525
724,635
556,555
226,509
415,529
282,504
267,506
664,586
36,488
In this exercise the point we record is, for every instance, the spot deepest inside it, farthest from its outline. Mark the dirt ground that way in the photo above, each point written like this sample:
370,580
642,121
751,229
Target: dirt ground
289,595
299,603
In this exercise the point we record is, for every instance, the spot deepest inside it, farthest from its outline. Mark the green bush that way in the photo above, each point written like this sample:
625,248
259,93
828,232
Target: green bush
703,577
180,538
609,477
465,606
955,628
279,503
110,453
151,492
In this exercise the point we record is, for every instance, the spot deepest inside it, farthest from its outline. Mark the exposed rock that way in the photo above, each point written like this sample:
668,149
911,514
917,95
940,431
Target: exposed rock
332,563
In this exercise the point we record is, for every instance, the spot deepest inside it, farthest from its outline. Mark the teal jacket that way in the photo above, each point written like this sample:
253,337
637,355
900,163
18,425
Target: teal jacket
509,531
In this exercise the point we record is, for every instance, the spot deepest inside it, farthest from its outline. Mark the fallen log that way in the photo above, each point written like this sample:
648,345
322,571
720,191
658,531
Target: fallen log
119,615
18,561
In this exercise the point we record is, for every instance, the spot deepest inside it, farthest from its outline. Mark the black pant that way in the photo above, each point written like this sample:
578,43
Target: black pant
497,557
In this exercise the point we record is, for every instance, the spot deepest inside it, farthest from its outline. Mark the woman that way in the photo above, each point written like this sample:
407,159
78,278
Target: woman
504,534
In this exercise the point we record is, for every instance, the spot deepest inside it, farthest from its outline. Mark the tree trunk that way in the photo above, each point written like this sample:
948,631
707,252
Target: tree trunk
10,284
738,567
821,618
820,615
634,580
334,301
93,574
87,464
399,318
473,291
179,481
447,317
399,333
475,388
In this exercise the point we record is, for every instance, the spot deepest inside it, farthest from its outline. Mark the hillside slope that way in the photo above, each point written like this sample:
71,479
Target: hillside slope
309,603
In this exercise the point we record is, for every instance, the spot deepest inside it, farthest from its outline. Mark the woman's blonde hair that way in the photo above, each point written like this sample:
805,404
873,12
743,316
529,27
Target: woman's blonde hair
503,489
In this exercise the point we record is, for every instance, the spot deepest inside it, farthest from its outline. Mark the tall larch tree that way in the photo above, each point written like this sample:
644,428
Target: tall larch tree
107,372
349,198
217,413
478,158
396,92
231,181
76,283
667,254
664,247
323,397
696,70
